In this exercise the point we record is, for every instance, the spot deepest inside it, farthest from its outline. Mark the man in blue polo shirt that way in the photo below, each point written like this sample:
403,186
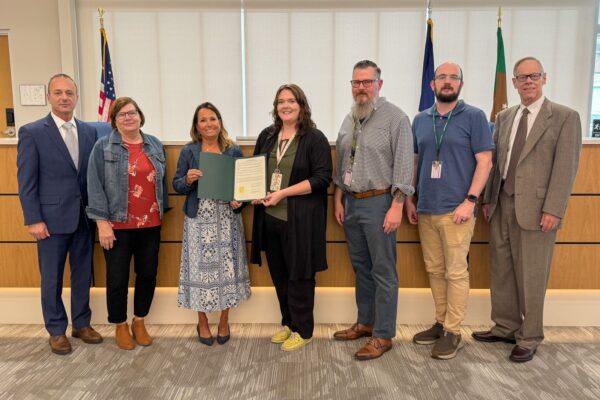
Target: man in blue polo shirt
453,158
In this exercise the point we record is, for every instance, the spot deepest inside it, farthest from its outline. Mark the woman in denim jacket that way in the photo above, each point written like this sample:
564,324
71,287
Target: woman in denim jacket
127,198
214,270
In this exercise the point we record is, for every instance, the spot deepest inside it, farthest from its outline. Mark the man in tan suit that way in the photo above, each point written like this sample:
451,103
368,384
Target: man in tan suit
537,153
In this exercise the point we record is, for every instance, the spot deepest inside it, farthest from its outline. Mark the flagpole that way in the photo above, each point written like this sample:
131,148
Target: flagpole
499,16
103,34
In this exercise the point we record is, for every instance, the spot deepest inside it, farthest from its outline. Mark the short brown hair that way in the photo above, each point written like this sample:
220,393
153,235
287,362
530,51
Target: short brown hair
65,76
224,141
118,105
304,116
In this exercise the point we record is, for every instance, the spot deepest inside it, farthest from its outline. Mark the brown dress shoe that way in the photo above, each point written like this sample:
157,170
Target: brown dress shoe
123,337
521,354
60,345
87,334
356,331
140,334
374,348
489,337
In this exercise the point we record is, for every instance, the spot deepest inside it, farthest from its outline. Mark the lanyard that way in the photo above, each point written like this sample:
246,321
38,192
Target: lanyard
440,139
280,153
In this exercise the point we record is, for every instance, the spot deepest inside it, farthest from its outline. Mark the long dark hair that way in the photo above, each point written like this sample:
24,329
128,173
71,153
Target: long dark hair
224,141
304,117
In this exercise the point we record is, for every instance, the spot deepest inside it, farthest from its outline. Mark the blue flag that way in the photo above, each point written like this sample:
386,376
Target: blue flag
427,95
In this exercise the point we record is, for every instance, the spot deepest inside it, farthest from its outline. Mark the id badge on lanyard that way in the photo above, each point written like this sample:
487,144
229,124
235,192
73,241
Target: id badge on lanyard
277,176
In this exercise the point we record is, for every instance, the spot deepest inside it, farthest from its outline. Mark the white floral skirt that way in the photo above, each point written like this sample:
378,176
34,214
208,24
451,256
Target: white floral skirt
214,268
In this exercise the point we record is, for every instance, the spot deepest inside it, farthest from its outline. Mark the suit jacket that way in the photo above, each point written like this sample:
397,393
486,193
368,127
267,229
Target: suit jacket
547,166
51,188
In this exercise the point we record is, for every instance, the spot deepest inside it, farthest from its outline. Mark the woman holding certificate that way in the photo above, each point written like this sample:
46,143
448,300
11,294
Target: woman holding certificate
214,270
127,197
289,223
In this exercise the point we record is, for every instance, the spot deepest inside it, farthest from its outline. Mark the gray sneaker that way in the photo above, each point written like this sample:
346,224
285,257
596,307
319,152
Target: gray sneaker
447,347
429,336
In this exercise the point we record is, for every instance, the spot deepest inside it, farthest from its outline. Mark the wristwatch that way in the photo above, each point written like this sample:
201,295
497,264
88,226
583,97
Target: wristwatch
472,198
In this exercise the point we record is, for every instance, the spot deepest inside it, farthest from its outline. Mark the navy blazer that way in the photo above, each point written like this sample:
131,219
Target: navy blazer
190,158
51,189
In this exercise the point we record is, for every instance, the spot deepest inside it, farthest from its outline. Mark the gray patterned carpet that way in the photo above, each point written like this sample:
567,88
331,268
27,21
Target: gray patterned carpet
176,366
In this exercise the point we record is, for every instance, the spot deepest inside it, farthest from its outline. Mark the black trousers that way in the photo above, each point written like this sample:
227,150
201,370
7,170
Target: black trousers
296,296
143,245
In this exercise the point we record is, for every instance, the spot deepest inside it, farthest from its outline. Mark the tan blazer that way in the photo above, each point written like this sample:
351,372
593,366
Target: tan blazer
547,166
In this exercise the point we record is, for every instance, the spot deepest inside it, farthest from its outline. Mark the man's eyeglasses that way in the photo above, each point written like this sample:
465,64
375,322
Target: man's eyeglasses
443,77
367,83
123,115
534,77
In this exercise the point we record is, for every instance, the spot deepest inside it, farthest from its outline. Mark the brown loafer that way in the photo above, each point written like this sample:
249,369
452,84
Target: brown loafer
356,331
489,337
87,334
123,337
140,334
521,354
60,345
374,348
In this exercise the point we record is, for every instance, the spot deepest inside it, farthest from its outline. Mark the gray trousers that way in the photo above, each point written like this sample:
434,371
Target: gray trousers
373,257
520,268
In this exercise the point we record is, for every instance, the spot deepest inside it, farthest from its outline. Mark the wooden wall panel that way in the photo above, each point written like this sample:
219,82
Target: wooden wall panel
479,266
582,220
575,262
19,266
8,168
6,93
588,175
12,228
574,266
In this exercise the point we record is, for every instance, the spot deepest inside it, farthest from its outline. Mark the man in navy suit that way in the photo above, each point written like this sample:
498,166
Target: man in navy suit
52,159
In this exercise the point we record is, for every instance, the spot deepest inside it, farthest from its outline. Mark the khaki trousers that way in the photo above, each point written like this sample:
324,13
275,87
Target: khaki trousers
445,246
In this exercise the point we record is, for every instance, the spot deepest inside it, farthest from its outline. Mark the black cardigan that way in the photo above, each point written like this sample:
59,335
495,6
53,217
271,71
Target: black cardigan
307,214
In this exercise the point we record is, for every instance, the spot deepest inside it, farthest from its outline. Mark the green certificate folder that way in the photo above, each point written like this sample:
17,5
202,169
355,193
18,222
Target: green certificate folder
232,178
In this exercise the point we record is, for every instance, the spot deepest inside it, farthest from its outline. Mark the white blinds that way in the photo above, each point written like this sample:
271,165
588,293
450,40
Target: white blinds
172,60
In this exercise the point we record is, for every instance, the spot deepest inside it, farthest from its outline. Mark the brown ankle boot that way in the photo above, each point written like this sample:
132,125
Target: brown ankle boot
140,334
123,337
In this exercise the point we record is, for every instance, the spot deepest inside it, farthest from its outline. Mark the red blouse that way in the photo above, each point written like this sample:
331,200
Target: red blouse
142,207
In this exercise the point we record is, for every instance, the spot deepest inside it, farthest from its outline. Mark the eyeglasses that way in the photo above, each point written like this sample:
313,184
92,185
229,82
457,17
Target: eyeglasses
367,83
534,77
443,77
123,115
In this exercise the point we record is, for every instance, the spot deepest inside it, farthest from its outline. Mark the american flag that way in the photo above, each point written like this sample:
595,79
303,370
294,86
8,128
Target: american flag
107,83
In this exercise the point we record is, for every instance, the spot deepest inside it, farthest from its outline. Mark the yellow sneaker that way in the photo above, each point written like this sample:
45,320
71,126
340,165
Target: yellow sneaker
282,335
294,342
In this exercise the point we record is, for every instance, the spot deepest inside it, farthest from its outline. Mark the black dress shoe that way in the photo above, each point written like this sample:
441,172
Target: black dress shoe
521,354
224,339
488,337
205,340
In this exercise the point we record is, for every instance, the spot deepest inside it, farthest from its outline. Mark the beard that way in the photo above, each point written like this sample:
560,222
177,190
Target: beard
361,110
446,98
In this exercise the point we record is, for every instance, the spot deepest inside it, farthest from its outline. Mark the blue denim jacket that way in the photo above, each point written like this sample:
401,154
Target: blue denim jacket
108,178
190,158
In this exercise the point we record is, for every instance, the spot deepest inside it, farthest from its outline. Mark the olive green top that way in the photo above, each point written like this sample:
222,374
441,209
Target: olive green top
285,167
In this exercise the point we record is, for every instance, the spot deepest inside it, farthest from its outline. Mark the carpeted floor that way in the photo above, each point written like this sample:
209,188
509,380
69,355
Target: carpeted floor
176,366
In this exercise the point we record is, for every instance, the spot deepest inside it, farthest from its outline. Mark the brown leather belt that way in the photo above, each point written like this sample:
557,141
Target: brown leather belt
370,193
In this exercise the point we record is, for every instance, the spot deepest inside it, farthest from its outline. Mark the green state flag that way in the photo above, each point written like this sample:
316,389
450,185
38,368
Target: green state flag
500,98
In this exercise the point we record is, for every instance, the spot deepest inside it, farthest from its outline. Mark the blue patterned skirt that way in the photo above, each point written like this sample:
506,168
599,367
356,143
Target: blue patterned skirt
214,269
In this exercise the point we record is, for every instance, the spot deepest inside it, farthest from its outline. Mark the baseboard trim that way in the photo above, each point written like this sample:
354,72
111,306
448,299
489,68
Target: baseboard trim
332,305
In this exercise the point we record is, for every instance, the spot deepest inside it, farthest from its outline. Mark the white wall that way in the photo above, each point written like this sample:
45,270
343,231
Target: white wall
35,48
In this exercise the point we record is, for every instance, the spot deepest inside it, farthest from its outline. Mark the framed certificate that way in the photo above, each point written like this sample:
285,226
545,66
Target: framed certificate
32,95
